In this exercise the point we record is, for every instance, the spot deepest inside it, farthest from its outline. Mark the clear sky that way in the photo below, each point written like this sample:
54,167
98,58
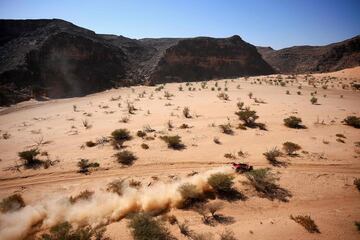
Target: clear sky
276,23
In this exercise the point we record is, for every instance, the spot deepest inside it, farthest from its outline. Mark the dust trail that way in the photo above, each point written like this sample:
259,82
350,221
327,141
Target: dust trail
102,208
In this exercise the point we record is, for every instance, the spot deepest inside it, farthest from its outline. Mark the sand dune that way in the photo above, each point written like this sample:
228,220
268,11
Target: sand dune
320,179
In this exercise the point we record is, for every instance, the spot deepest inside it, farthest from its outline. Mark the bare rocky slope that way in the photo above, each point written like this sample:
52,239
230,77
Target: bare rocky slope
55,58
308,59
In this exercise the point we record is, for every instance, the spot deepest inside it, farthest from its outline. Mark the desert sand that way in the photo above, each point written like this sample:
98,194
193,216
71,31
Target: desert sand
320,178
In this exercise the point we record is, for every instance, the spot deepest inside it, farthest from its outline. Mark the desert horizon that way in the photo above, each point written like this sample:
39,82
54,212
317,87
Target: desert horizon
106,137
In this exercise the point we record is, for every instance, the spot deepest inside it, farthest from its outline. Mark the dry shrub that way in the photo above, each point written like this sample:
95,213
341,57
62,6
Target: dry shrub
294,122
84,195
144,146
352,121
357,183
173,142
12,203
264,182
116,186
221,183
85,165
272,155
290,148
226,129
227,234
189,194
306,222
125,157
29,158
186,112
90,144
145,227
119,136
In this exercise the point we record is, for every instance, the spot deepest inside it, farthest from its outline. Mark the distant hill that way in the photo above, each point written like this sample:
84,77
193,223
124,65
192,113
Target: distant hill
306,59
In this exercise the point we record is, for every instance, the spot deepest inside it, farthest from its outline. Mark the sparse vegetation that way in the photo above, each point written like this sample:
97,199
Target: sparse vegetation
90,144
189,194
173,142
29,158
352,121
83,196
64,231
145,227
144,146
141,134
221,183
264,182
306,222
116,186
186,112
290,148
272,156
227,234
293,122
125,157
249,117
119,136
85,165
12,203
217,140
313,100
226,129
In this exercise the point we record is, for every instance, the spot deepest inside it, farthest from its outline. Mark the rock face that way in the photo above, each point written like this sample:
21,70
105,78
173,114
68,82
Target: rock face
307,59
55,58
207,58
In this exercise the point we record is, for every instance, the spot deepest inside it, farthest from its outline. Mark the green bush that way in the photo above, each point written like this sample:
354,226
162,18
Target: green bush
64,231
173,142
221,182
352,121
29,158
144,227
85,165
293,122
264,182
290,148
125,157
12,203
189,194
119,136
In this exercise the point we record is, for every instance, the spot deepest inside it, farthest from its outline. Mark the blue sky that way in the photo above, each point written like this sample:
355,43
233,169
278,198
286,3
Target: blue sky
276,23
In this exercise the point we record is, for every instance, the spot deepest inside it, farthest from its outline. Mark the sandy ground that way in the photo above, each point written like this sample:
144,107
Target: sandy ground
320,178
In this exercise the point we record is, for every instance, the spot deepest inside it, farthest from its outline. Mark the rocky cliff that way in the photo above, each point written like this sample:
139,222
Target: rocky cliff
306,59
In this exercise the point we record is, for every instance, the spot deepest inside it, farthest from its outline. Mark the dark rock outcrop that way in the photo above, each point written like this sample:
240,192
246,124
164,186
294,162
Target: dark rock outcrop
204,58
55,58
307,59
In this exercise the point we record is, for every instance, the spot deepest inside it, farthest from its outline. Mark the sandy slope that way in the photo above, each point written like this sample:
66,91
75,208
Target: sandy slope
320,179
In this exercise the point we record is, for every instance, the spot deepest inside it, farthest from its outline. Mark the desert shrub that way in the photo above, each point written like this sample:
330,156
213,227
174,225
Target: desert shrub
249,117
240,105
144,227
131,108
173,142
124,119
226,129
90,144
313,100
116,186
12,203
214,207
134,183
227,234
229,155
141,134
84,195
186,112
144,146
287,92
119,136
6,135
250,95
64,231
357,183
306,222
29,158
290,148
293,122
272,155
84,165
172,219
184,126
223,96
221,182
357,224
264,182
189,194
125,157
217,140
86,124
352,121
